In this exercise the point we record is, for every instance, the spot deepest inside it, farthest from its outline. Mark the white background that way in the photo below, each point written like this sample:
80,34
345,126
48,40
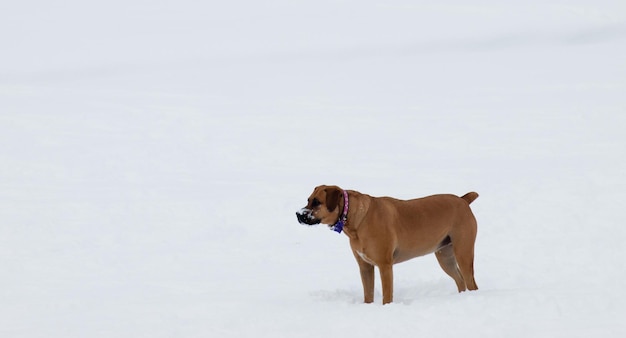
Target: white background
153,155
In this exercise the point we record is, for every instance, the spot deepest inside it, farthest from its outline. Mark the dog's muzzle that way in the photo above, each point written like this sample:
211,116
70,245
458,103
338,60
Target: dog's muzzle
305,216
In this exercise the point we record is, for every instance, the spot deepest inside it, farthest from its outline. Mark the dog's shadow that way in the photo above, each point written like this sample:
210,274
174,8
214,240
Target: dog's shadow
352,296
404,293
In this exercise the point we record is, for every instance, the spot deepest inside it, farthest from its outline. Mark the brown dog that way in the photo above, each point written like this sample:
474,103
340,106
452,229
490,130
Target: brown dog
384,231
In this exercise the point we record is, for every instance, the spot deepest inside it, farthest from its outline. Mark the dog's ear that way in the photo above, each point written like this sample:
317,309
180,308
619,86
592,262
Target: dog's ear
333,194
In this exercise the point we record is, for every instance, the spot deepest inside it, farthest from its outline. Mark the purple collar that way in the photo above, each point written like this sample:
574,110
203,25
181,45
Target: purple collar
338,227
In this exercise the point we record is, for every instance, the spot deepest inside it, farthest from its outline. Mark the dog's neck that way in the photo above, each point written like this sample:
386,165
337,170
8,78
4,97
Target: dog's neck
343,218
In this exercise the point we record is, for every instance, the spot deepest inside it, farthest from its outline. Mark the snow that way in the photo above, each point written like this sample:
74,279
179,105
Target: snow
154,154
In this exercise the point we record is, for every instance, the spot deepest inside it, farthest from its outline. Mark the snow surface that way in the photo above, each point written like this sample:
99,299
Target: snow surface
153,155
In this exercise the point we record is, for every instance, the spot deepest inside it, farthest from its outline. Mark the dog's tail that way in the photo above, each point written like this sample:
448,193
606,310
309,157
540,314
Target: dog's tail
470,197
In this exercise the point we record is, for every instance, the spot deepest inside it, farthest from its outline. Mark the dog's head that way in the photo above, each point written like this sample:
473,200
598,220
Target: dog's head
322,206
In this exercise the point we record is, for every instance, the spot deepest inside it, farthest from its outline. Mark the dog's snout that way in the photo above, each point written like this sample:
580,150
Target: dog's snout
300,217
305,216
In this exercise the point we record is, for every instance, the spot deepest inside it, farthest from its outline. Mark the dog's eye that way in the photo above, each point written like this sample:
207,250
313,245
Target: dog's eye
315,203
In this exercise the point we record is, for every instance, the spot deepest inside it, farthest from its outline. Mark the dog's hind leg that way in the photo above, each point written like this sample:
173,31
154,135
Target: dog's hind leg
464,253
447,261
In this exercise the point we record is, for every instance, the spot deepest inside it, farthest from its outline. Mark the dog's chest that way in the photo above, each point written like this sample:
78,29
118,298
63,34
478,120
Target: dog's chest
365,258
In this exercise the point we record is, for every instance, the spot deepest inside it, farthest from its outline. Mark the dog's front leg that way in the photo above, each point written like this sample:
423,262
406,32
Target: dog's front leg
367,278
386,276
